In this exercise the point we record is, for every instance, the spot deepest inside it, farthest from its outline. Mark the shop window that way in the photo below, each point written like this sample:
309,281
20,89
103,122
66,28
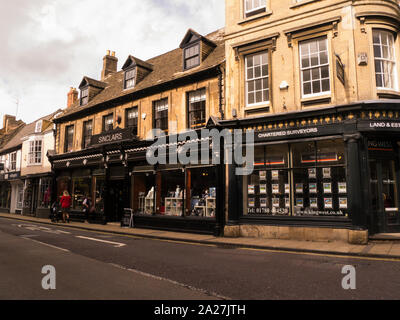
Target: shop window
314,65
45,188
131,119
267,190
201,192
197,109
170,185
81,188
144,193
87,133
35,152
5,195
63,184
385,60
20,195
257,79
99,193
301,179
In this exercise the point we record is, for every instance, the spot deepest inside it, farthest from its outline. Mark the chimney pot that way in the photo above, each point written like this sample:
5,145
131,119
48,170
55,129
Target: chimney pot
108,52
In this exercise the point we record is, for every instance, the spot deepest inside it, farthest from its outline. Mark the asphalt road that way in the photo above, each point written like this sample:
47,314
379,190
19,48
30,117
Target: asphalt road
94,265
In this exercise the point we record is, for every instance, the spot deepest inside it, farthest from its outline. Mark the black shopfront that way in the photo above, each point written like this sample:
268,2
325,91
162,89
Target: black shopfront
116,174
337,167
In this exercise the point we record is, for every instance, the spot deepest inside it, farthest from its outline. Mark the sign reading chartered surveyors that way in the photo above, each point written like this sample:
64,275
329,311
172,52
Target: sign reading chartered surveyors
114,136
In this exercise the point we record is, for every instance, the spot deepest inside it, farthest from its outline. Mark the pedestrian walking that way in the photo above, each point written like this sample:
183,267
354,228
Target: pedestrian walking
65,206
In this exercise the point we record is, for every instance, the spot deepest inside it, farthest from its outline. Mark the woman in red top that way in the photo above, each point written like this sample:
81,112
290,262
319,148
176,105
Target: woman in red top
65,205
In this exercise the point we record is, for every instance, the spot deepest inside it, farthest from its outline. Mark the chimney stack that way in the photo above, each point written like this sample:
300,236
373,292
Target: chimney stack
9,123
72,97
110,64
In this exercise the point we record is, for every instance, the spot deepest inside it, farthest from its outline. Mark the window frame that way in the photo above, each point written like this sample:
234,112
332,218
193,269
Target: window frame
136,119
311,67
110,115
254,11
13,161
188,104
395,85
85,134
133,78
67,142
155,112
86,96
185,59
35,155
246,80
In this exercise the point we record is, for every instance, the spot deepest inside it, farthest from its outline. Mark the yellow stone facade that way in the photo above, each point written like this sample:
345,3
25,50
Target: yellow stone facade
348,27
177,112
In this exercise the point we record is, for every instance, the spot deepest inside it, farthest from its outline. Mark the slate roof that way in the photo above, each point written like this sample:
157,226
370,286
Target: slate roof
166,67
27,130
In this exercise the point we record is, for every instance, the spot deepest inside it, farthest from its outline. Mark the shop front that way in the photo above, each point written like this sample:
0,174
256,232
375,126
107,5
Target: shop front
319,175
179,198
5,195
37,191
9,192
117,176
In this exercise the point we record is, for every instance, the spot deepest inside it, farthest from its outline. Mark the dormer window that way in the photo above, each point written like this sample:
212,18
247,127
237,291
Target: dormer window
84,96
130,78
192,56
195,49
38,127
253,7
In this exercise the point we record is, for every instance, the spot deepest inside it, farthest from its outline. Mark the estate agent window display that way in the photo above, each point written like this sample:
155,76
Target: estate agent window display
298,179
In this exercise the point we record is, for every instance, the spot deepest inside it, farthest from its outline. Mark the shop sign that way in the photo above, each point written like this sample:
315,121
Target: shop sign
340,70
379,125
12,176
297,132
111,137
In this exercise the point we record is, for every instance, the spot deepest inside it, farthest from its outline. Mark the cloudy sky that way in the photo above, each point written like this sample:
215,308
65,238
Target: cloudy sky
49,45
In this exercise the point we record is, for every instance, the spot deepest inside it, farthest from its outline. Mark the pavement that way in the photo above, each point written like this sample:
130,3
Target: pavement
378,247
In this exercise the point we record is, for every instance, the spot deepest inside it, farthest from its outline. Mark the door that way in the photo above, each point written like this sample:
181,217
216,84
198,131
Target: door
385,194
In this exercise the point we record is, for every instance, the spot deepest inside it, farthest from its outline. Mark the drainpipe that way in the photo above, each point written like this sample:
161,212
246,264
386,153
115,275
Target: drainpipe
221,88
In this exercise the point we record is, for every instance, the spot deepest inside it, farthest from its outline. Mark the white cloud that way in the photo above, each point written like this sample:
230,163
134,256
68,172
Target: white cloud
52,44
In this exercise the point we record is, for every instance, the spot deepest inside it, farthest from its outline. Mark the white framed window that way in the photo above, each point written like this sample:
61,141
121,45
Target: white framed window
13,162
257,79
38,127
192,56
385,60
252,7
35,152
84,96
130,78
314,66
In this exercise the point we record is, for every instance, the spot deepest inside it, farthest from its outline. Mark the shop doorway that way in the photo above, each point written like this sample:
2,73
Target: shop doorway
384,180
118,195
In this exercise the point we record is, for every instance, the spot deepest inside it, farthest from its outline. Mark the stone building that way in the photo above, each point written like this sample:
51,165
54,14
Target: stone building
101,140
318,83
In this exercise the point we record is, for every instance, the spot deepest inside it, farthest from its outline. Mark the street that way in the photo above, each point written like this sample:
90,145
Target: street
94,265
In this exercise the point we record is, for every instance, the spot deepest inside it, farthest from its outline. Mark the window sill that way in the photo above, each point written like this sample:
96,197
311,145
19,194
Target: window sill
310,101
388,94
255,17
265,108
296,5
34,165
